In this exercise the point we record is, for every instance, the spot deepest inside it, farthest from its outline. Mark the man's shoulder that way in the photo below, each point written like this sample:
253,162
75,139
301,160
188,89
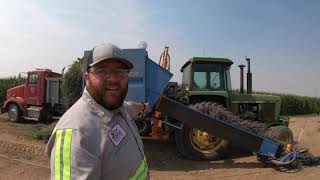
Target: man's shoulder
78,109
81,116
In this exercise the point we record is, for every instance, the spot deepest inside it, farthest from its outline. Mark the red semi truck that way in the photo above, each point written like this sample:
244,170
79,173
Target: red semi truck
37,99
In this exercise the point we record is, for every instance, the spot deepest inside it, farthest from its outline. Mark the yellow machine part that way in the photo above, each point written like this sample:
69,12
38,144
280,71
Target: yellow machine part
157,131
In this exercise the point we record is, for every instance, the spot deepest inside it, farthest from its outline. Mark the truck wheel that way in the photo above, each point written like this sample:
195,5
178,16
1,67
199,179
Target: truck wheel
14,112
280,133
45,115
197,144
47,118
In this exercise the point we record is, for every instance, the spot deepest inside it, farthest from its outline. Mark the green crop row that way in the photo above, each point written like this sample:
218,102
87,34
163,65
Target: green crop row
297,105
290,104
7,83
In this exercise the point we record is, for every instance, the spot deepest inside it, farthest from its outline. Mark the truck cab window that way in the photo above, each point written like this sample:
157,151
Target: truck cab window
33,79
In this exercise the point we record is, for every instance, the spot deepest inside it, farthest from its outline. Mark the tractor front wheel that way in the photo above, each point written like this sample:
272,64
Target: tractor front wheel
196,144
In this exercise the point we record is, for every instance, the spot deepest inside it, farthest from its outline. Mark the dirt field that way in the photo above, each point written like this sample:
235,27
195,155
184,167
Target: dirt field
23,158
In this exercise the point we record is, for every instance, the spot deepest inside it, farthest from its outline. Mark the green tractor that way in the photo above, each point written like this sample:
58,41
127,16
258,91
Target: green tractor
206,86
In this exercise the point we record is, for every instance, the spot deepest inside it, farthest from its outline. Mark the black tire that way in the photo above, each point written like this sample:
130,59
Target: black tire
14,112
188,149
212,148
46,115
47,119
144,127
280,133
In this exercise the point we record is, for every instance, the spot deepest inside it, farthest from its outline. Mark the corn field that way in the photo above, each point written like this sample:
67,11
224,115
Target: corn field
71,87
7,83
297,105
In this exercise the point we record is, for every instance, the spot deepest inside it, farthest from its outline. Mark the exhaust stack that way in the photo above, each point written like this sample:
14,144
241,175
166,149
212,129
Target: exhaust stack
241,78
249,78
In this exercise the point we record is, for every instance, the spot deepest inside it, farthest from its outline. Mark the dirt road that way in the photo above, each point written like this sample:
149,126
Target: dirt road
22,158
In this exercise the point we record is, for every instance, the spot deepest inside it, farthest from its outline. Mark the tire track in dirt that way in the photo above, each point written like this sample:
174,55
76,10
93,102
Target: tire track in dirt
10,146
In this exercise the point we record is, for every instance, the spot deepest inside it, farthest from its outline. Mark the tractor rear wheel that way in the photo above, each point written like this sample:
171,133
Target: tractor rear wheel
14,112
196,144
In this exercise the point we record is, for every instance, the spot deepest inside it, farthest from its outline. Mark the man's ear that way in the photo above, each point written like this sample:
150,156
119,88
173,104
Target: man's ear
86,77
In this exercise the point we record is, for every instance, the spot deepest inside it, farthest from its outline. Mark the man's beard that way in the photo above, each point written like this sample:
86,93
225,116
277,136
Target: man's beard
113,105
108,99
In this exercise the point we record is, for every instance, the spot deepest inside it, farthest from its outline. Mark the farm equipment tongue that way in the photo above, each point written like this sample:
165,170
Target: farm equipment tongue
285,157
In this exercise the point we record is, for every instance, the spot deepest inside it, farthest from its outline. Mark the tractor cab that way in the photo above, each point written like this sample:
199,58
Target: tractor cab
206,74
205,77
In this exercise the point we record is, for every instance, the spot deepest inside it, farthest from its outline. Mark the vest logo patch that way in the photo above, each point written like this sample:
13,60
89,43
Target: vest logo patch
116,134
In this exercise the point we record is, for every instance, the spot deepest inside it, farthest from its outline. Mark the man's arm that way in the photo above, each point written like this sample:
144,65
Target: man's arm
136,110
72,156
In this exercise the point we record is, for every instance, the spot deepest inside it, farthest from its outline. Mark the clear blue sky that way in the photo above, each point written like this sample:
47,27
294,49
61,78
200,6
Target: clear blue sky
282,37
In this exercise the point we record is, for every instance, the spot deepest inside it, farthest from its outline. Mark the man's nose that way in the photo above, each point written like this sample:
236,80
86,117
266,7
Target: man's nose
113,78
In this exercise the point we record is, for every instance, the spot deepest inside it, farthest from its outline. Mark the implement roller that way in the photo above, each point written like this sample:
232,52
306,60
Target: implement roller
285,157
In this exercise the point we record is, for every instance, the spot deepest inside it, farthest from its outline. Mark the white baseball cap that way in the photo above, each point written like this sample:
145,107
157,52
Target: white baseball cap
104,52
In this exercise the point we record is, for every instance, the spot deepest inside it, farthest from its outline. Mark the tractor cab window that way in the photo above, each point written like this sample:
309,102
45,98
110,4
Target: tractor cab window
33,79
215,80
199,80
186,75
208,77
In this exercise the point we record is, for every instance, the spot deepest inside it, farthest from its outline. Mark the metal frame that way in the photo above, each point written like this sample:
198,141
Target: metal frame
218,128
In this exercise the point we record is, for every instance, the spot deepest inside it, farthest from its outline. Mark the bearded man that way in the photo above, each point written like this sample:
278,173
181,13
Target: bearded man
96,138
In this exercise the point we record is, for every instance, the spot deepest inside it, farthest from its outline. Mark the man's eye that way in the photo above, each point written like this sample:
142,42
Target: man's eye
102,72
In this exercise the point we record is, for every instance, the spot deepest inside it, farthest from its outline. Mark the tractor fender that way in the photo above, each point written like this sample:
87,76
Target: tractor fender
19,101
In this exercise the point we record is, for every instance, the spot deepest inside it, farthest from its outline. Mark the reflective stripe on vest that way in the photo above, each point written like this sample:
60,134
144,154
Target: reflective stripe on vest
62,154
142,171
